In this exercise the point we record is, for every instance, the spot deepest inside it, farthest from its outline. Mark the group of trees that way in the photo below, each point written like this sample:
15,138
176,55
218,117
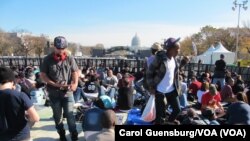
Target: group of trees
19,43
28,45
23,45
209,35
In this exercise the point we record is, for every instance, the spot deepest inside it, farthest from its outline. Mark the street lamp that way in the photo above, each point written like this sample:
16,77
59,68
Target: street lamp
239,5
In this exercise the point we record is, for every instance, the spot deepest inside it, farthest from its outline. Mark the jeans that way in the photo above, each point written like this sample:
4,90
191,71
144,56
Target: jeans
78,94
61,101
221,80
173,101
183,100
111,92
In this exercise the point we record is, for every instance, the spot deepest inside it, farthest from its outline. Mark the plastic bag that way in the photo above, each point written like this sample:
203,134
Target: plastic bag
149,113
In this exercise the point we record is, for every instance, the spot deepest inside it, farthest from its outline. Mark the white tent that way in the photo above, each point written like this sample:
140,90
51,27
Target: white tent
206,57
213,54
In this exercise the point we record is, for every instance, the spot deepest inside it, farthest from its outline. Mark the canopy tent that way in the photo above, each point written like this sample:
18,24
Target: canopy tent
213,54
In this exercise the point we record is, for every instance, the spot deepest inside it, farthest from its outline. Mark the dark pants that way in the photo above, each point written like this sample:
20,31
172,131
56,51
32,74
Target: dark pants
173,101
60,102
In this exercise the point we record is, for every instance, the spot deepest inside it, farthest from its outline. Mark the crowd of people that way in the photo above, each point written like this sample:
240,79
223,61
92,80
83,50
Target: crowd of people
221,98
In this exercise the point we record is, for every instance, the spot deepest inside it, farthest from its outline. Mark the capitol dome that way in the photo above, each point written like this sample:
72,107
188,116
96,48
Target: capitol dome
136,42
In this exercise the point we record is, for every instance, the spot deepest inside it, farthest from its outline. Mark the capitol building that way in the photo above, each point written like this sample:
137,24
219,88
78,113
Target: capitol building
135,50
135,43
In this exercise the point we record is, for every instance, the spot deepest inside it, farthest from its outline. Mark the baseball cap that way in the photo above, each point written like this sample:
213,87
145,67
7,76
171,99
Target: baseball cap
156,46
170,42
60,42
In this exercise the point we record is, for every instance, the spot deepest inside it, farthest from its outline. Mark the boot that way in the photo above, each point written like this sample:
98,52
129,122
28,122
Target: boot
62,135
74,136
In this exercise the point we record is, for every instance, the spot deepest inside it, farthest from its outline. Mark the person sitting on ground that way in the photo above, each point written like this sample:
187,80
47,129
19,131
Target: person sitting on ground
205,77
16,109
90,72
128,76
203,90
125,96
25,85
193,88
248,96
111,80
92,119
92,87
226,93
108,123
110,83
239,112
79,93
210,117
183,97
192,118
238,85
212,100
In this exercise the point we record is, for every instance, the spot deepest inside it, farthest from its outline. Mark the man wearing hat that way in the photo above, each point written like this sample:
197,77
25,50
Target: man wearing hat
163,81
59,71
154,49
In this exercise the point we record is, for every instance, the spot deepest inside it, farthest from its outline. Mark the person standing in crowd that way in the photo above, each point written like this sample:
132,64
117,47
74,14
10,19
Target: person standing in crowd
16,109
59,71
220,71
154,49
163,81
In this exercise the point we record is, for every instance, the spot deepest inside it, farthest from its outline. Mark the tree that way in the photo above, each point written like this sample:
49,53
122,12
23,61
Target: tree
72,47
186,47
7,43
209,35
40,43
226,37
27,45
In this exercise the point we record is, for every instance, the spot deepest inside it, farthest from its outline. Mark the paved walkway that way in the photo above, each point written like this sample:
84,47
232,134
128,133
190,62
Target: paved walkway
45,130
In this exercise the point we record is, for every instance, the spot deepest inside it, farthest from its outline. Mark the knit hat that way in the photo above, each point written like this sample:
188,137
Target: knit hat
6,75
